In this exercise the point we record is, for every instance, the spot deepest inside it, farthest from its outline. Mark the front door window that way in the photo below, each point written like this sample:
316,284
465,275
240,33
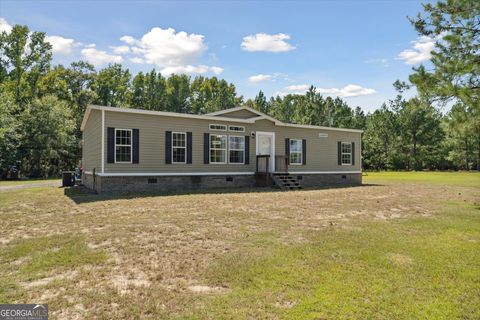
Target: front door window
264,144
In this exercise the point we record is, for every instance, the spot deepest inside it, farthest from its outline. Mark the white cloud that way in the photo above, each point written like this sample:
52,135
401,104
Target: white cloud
259,78
60,45
120,49
298,87
421,51
174,52
5,26
350,90
189,69
99,57
267,42
128,40
165,47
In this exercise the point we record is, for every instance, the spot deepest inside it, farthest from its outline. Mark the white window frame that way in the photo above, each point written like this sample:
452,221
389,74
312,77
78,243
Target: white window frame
241,128
185,147
342,153
210,149
243,160
290,152
123,145
224,126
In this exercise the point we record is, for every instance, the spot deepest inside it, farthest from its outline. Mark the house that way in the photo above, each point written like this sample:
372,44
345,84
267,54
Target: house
142,150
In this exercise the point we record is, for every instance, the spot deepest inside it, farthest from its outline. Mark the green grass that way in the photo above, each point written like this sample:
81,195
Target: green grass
466,179
421,268
43,256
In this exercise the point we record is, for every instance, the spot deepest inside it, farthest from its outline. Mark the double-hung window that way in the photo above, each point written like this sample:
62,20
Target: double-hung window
179,147
218,148
296,151
123,145
346,153
236,148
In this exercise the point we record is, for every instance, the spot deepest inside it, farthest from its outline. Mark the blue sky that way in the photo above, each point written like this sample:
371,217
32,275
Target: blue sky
353,49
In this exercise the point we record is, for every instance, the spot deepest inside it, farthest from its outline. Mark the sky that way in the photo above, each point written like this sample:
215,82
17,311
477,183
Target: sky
351,49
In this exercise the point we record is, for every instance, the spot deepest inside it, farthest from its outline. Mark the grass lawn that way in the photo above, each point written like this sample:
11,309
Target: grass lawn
466,179
403,246
4,183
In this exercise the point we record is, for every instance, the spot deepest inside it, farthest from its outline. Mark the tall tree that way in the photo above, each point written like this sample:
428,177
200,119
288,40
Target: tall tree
178,93
420,132
47,137
24,57
113,86
379,139
260,103
455,24
455,73
9,132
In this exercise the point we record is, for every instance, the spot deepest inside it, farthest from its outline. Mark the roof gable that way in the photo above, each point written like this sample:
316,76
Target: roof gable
243,113
239,112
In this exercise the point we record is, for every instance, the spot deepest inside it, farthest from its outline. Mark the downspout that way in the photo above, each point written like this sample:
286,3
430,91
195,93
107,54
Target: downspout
103,141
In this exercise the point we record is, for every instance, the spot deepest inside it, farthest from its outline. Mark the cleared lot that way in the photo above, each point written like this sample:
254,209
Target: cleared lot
405,245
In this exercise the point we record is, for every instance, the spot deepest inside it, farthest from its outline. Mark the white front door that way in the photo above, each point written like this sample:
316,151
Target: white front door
266,145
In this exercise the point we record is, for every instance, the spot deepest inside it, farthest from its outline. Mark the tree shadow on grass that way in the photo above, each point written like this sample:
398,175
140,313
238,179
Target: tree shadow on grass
80,194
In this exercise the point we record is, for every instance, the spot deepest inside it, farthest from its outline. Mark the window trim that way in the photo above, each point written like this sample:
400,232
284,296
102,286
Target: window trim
349,153
185,147
240,127
123,145
290,152
210,149
217,129
243,160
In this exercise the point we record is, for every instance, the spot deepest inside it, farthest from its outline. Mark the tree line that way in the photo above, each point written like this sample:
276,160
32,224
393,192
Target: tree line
42,106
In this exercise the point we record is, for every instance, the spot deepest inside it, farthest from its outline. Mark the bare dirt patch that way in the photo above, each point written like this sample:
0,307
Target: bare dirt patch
206,289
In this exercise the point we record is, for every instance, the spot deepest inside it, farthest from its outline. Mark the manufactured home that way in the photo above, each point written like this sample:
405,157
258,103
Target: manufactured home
126,150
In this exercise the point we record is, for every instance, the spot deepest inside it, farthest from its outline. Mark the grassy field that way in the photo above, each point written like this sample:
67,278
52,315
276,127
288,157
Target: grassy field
403,246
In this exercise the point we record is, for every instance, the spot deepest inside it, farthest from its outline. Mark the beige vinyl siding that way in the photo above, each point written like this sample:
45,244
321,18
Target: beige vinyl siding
240,114
321,152
92,142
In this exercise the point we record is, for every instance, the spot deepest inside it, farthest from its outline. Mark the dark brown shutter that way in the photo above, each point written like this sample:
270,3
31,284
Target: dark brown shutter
136,143
287,148
353,153
168,147
189,147
247,150
206,148
339,150
304,151
110,145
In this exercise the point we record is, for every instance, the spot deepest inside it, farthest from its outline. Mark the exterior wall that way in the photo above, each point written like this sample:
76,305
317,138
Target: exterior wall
92,142
140,184
239,114
321,152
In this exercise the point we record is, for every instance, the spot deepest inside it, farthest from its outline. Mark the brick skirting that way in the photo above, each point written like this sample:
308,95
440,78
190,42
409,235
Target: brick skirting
163,184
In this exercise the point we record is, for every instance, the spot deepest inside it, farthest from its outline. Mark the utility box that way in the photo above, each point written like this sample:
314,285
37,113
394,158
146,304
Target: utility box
68,178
